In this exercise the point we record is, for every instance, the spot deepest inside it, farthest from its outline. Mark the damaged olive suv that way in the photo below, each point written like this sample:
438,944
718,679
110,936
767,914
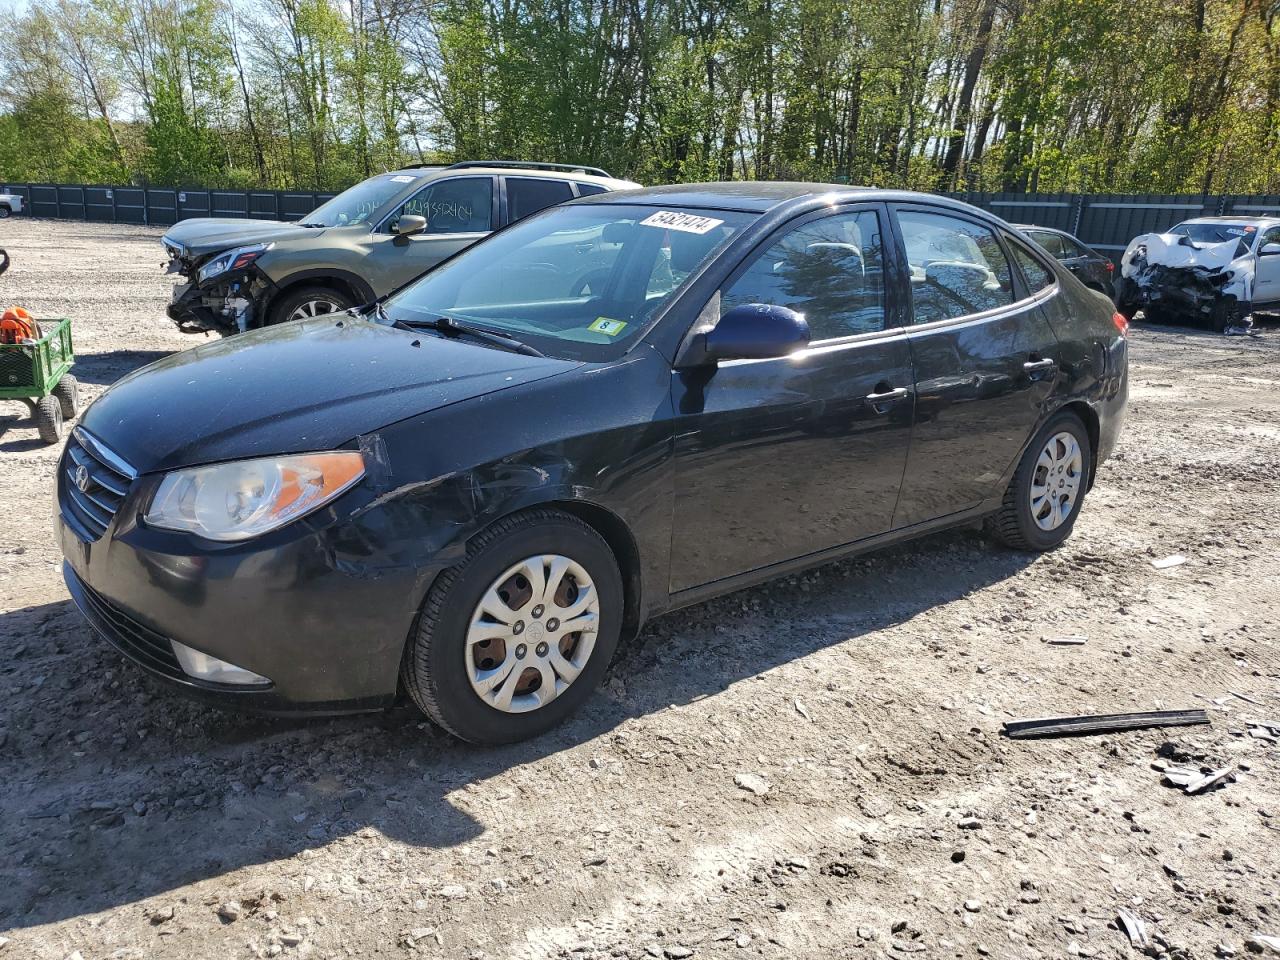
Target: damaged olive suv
367,241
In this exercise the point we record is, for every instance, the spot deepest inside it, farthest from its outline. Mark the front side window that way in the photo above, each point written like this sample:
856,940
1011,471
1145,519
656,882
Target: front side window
526,195
1271,235
462,205
957,267
360,203
831,270
1037,277
581,282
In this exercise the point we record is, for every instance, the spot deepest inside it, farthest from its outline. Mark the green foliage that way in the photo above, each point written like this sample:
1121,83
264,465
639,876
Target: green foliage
1089,95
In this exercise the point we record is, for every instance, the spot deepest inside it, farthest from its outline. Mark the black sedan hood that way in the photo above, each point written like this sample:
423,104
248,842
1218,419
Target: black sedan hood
205,235
296,387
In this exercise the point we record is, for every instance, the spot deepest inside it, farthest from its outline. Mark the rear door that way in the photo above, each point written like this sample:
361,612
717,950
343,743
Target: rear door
985,358
780,458
458,210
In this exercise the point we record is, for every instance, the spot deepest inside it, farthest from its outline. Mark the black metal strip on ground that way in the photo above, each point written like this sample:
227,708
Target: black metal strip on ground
1102,723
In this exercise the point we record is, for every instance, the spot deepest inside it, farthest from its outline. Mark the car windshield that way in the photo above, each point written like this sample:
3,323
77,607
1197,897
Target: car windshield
579,281
1203,234
361,202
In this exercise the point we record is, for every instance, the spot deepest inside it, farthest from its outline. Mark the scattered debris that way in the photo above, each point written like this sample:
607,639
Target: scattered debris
802,709
973,906
1071,641
230,911
969,823
1135,928
1211,779
1241,696
1265,731
1264,942
1164,563
752,783
1102,723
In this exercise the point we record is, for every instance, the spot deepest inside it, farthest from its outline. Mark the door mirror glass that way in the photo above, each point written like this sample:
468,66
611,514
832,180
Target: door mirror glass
409,224
1270,249
756,331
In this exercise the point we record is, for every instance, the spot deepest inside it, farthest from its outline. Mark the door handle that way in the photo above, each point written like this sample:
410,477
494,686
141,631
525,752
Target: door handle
1039,366
888,396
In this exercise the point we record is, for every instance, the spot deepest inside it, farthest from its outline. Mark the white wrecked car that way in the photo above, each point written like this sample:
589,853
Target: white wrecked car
1215,270
9,203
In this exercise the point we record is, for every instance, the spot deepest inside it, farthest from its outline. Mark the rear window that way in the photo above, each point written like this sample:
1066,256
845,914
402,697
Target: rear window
526,195
590,189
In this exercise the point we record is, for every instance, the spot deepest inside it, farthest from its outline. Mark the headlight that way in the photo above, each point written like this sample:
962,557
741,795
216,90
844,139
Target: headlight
236,259
236,501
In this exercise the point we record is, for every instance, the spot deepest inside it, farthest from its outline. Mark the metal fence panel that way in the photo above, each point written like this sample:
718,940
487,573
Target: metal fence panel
1105,221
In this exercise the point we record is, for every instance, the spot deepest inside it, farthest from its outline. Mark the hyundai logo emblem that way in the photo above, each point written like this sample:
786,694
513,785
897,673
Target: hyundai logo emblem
82,478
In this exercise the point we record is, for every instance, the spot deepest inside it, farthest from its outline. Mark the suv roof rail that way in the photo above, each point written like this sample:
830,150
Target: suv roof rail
522,165
422,166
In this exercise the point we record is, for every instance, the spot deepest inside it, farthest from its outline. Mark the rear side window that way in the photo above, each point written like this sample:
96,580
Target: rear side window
1033,270
1051,242
831,270
526,195
590,189
463,205
957,267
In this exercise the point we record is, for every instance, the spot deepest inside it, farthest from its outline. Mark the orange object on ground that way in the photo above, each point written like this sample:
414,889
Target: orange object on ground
17,325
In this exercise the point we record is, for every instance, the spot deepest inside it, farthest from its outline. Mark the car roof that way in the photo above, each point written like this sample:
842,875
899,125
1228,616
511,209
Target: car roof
1254,221
1036,226
765,196
580,175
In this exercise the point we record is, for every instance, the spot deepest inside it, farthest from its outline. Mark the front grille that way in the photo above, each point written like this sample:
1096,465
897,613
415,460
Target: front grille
149,648
96,483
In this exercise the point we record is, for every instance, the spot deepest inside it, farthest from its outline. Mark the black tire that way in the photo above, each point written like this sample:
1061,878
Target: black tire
67,390
283,308
434,669
48,417
1014,525
4,210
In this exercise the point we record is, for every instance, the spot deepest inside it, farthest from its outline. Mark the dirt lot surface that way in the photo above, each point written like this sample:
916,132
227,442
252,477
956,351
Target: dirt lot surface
811,769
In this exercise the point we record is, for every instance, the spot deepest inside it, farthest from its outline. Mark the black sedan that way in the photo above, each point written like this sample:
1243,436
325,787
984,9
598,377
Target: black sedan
1092,268
623,405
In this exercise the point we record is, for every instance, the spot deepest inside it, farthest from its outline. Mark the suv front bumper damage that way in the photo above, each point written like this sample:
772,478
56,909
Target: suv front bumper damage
224,304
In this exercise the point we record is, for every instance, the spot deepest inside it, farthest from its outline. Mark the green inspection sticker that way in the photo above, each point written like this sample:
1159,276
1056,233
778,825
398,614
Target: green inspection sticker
610,328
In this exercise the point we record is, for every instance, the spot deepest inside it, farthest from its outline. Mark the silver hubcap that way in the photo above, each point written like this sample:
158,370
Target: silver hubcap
1055,485
313,308
532,633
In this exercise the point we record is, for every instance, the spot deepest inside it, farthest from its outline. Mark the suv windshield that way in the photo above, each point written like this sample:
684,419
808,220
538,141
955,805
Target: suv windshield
575,281
1202,234
360,203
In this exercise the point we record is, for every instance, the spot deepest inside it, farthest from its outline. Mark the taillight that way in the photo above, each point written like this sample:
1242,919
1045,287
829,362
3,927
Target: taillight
1122,324
1111,267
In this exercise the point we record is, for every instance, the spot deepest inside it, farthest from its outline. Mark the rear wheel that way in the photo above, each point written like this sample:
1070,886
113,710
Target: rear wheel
67,390
4,210
1044,497
48,417
308,302
514,639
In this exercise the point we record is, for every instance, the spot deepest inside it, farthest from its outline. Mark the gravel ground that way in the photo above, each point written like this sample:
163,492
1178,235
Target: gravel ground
809,769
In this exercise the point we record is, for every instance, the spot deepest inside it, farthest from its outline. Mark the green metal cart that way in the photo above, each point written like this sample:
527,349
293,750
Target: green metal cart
36,373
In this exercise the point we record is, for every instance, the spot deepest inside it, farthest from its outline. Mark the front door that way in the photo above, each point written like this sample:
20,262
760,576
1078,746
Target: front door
1266,277
780,458
458,210
985,358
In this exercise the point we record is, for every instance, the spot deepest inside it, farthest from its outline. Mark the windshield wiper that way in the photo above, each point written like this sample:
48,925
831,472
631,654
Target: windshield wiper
452,328
309,224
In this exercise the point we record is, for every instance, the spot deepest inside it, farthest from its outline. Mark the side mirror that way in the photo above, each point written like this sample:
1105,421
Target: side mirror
754,331
1269,250
408,224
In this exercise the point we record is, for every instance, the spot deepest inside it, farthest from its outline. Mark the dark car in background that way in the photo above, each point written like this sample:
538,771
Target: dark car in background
1092,268
365,242
619,406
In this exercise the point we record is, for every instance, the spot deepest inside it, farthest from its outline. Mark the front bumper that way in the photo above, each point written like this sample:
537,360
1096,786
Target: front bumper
303,607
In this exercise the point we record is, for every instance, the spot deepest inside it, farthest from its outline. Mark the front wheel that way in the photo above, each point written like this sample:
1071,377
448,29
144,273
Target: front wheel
309,302
1044,497
514,638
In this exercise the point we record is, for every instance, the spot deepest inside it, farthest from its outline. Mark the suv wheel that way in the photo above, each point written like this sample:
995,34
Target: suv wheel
514,638
1043,499
307,302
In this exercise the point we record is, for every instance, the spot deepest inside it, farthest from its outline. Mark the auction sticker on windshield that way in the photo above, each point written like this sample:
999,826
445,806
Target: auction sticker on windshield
684,222
606,326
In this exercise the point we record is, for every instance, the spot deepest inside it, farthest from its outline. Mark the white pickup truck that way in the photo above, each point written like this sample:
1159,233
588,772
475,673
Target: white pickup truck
1215,269
9,203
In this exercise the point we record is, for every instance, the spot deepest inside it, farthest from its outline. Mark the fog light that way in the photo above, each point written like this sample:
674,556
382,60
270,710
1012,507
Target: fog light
204,667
